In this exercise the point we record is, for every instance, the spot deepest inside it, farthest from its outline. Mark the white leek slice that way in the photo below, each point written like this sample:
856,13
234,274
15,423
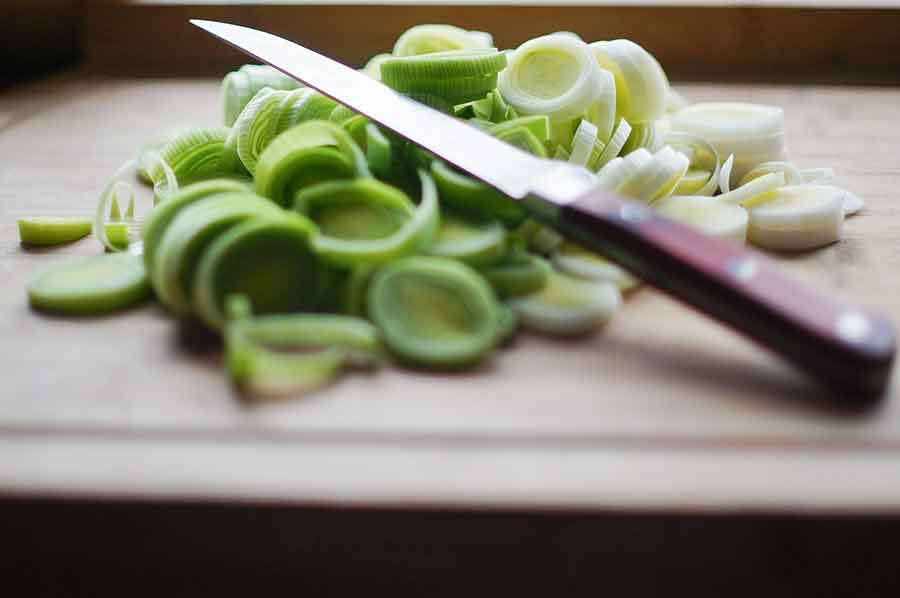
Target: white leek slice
583,142
725,174
567,306
656,177
692,182
756,191
616,143
620,170
602,112
853,203
792,174
727,121
575,260
702,154
427,39
675,101
553,75
799,217
706,214
641,85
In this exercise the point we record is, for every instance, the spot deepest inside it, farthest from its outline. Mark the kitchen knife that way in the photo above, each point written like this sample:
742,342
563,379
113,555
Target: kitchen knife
848,348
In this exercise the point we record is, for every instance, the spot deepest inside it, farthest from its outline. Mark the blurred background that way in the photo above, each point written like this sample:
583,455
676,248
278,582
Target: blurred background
847,41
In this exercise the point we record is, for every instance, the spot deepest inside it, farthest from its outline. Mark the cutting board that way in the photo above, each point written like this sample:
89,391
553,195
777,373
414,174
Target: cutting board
663,411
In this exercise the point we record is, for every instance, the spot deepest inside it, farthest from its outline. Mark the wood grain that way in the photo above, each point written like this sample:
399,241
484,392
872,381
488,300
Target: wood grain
665,410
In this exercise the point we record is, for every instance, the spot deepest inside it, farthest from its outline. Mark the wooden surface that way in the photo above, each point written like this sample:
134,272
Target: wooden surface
700,40
664,411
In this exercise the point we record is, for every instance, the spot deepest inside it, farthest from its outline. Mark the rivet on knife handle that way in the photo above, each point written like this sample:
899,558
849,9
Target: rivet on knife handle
848,348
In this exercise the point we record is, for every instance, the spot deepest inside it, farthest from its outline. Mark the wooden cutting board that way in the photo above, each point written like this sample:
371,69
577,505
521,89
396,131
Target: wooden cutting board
665,410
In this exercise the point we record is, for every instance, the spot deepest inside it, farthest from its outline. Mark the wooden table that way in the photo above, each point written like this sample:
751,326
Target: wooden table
664,432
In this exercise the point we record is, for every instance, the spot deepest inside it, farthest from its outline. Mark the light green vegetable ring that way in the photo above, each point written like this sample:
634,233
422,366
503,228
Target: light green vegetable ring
52,231
88,286
434,312
270,260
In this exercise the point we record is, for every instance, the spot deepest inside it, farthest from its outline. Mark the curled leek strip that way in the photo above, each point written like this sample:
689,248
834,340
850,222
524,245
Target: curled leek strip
166,186
706,214
239,87
434,311
296,352
270,260
473,197
704,155
475,242
758,190
577,261
114,185
195,155
567,306
553,75
792,174
309,153
162,215
641,85
427,39
365,221
616,142
798,218
187,237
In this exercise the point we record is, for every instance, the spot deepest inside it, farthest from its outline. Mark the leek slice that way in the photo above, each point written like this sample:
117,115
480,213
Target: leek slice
616,142
434,311
656,177
585,148
519,273
195,155
852,203
798,218
756,191
118,234
473,197
297,352
644,135
553,75
792,174
567,306
269,260
147,152
507,323
427,39
311,152
88,286
707,214
114,187
239,87
538,125
602,111
373,66
52,231
620,170
451,64
475,242
162,215
192,230
378,151
693,182
365,221
538,237
704,158
574,260
642,89
525,139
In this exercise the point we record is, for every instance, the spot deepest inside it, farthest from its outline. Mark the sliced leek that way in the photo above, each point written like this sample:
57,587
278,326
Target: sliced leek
434,311
473,197
52,231
799,217
570,258
240,86
567,306
427,39
707,214
519,273
642,89
475,242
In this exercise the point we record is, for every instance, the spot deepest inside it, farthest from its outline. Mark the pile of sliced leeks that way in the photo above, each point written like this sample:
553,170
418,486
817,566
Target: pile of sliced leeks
315,241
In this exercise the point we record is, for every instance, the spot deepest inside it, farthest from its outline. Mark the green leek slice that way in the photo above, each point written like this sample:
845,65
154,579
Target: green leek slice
574,260
373,66
475,242
524,138
162,215
473,197
308,153
365,221
239,87
614,147
519,273
270,260
450,64
192,230
52,231
87,286
118,234
195,155
567,306
427,39
434,311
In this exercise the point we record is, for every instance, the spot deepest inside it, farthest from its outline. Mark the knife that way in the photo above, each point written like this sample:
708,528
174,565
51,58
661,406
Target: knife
847,348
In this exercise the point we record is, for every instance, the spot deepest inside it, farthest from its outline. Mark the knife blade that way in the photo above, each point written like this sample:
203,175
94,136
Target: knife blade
848,348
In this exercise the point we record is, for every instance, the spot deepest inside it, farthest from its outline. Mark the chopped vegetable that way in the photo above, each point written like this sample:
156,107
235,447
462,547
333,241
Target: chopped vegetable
52,231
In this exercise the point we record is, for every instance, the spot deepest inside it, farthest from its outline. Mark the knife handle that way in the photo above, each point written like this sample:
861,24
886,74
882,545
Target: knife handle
848,348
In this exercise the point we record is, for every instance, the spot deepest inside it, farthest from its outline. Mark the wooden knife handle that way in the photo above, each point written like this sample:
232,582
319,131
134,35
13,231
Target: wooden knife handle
850,349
